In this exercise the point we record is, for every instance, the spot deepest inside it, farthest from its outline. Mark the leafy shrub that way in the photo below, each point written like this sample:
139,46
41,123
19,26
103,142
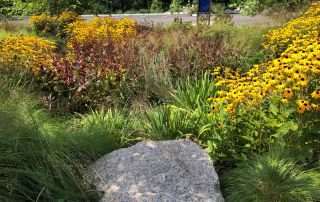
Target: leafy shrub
94,67
156,6
273,176
144,11
176,6
252,7
89,77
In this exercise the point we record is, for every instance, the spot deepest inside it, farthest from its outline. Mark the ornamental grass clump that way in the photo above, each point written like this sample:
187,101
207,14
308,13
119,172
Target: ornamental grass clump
273,176
39,162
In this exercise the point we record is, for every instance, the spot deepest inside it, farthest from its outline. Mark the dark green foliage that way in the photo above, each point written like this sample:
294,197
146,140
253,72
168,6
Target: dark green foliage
253,7
176,6
156,6
272,177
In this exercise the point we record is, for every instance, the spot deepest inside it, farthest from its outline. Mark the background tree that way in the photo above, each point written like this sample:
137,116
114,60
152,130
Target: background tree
156,6
176,6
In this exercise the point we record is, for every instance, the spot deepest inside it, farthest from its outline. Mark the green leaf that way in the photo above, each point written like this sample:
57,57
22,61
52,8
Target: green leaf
274,109
285,128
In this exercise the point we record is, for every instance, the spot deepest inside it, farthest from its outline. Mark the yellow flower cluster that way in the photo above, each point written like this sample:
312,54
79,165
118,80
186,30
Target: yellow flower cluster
55,25
306,26
294,76
26,51
68,17
101,29
43,24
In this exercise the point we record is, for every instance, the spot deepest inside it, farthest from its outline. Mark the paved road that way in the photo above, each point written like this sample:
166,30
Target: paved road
164,18
168,18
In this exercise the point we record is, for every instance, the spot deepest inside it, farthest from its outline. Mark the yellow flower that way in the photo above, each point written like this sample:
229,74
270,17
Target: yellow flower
214,109
293,73
316,94
300,110
230,109
288,93
220,125
284,100
210,99
233,120
28,52
315,107
100,29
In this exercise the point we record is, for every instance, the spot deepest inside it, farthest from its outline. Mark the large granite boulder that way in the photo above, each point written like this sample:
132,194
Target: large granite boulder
157,171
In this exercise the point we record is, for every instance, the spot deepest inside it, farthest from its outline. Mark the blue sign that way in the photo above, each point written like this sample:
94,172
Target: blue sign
204,6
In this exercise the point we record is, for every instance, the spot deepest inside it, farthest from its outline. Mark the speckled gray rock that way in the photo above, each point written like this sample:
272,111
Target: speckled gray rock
157,171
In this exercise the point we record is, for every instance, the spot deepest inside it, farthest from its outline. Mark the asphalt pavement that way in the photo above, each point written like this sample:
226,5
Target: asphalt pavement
166,18
146,19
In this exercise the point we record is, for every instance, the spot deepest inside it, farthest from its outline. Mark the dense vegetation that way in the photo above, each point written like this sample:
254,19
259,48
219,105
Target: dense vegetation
20,7
72,91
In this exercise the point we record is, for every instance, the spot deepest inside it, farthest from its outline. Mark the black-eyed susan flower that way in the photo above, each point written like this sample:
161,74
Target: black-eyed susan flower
233,120
220,125
288,93
315,94
214,109
315,107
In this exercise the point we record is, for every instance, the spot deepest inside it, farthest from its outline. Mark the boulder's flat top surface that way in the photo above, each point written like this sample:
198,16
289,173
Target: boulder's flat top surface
157,171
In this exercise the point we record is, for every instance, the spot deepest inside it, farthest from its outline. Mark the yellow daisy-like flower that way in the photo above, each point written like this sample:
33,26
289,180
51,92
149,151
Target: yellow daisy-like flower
284,100
220,125
315,107
300,110
214,109
316,94
233,120
288,93
230,109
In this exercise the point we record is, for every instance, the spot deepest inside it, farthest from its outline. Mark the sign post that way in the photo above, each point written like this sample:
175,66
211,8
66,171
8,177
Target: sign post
204,8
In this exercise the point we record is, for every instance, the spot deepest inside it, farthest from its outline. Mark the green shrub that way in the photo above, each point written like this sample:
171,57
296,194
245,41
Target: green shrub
176,6
132,11
156,6
253,7
273,176
144,11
